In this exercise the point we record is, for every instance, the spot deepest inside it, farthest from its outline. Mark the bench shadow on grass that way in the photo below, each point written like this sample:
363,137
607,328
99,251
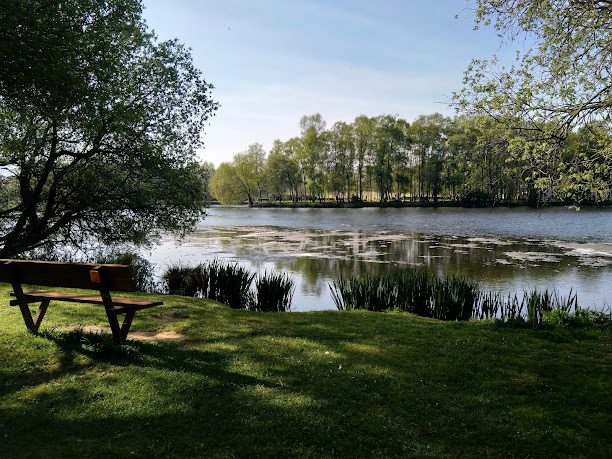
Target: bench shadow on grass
194,415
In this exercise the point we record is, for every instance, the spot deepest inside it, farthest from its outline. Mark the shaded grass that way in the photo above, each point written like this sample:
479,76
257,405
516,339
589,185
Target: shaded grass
324,384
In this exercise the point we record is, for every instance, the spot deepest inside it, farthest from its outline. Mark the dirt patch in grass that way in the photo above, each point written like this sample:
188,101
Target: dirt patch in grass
140,335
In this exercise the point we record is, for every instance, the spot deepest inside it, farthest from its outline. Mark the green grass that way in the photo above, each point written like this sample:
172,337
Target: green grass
319,384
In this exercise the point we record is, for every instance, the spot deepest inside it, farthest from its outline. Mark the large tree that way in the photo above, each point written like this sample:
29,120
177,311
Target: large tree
313,154
249,167
282,172
99,125
562,83
226,187
363,129
340,160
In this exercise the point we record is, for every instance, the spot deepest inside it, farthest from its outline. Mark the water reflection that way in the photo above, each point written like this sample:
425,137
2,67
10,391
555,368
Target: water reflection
315,257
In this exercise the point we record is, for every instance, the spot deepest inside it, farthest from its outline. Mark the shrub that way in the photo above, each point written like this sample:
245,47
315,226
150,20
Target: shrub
578,319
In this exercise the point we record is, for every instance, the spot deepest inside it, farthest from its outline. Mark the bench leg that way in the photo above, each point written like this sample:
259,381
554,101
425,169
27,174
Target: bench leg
42,309
33,324
120,332
127,323
27,316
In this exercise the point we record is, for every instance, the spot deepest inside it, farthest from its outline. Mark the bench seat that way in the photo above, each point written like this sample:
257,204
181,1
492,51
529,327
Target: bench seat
120,305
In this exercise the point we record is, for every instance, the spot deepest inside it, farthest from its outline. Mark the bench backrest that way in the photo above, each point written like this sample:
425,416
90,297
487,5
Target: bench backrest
117,278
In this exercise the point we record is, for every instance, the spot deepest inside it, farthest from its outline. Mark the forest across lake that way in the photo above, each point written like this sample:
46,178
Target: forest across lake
504,249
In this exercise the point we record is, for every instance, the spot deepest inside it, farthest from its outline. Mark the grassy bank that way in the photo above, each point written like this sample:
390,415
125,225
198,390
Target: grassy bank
341,384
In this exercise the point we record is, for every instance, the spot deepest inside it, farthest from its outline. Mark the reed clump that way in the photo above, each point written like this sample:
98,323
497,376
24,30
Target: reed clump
412,290
421,292
231,284
530,308
181,280
273,292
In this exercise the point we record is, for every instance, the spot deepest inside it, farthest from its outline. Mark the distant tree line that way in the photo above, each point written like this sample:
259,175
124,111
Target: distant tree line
386,158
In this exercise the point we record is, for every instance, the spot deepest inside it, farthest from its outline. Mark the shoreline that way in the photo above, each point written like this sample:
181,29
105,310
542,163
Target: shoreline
402,204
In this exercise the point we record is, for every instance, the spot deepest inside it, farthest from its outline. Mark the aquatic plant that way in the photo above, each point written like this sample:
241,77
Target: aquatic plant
421,292
231,284
141,268
227,283
413,290
273,292
538,303
579,318
181,280
454,298
373,293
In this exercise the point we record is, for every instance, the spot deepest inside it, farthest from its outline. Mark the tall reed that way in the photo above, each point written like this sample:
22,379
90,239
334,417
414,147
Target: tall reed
227,283
421,292
181,280
231,284
273,292
413,290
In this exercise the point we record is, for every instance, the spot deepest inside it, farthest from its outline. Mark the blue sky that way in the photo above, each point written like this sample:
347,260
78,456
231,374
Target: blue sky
272,61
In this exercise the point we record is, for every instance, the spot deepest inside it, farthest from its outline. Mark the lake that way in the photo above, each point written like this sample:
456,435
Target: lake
505,250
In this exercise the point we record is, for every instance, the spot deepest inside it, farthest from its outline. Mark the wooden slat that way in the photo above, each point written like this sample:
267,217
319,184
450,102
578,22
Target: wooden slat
34,296
116,278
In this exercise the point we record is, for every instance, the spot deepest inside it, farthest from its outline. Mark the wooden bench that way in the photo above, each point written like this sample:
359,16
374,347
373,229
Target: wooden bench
105,278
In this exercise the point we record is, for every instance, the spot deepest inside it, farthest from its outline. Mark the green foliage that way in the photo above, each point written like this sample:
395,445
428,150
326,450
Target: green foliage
559,86
225,187
580,318
282,171
207,169
467,159
231,284
99,124
242,180
226,283
312,155
421,292
534,308
182,280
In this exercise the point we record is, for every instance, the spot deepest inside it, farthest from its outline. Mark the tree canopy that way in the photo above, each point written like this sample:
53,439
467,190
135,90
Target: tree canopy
466,158
561,84
99,125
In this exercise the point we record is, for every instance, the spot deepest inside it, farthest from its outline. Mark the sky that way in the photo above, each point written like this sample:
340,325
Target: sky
273,61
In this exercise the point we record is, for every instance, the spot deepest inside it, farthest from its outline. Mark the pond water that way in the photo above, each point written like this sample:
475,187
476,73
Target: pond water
505,250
